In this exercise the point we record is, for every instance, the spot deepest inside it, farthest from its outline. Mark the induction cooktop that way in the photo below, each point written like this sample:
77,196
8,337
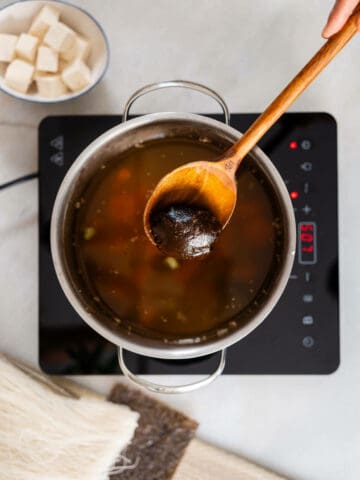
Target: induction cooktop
300,336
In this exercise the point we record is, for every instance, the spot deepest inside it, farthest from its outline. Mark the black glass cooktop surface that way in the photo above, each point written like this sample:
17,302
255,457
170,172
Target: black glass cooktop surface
301,335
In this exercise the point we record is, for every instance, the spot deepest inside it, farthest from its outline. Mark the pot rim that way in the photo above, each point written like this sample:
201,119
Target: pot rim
169,351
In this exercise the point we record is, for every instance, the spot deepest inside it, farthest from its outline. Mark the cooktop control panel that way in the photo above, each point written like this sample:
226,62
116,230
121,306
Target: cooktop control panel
300,336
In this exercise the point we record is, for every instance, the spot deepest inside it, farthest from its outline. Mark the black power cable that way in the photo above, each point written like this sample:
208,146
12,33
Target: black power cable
25,178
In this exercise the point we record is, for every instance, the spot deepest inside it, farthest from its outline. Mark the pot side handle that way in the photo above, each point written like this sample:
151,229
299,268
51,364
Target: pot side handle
180,84
159,388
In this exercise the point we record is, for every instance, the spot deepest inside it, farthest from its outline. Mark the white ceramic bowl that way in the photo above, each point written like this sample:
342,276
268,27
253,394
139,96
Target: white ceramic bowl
16,18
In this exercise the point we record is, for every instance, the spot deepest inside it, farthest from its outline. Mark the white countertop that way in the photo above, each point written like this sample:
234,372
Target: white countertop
306,427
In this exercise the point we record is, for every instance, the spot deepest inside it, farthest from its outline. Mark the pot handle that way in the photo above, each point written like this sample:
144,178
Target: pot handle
158,388
176,83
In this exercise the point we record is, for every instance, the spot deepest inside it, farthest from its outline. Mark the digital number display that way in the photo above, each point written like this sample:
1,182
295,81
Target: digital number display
307,240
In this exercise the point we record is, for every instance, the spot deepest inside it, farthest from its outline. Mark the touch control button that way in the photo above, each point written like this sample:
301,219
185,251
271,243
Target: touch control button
306,166
308,298
306,144
308,320
306,209
308,342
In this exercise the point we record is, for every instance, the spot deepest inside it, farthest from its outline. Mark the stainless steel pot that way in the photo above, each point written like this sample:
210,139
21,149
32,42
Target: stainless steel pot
119,139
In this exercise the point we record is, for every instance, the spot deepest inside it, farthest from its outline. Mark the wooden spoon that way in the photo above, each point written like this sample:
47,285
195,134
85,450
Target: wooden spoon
212,185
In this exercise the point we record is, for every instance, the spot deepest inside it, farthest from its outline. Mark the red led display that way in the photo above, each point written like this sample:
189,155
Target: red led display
307,243
293,145
294,195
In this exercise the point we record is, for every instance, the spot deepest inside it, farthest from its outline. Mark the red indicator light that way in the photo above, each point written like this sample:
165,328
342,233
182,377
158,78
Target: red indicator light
294,195
293,145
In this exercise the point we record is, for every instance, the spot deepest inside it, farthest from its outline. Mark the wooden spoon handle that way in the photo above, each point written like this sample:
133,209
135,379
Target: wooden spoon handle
265,121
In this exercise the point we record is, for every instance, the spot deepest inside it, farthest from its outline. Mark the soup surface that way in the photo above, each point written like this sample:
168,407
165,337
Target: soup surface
160,296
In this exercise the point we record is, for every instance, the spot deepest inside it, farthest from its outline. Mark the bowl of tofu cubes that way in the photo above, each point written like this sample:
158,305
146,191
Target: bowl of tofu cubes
50,51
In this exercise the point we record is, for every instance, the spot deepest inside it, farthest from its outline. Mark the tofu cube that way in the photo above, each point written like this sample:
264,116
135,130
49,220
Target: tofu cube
47,60
50,86
19,75
26,47
80,50
48,16
60,38
77,75
7,47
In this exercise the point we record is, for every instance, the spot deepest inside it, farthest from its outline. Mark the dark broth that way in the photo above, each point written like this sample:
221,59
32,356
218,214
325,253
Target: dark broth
162,297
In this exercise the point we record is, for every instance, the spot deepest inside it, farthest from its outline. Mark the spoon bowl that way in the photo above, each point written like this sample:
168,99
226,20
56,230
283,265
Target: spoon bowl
203,184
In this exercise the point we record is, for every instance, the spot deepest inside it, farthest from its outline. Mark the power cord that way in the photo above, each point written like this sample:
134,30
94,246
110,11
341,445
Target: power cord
25,178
